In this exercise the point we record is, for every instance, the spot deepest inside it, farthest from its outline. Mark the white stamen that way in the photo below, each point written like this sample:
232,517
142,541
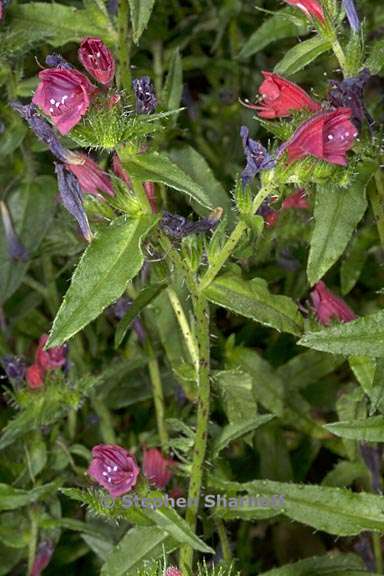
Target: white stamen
51,109
98,54
57,104
52,101
330,137
105,473
109,479
115,468
109,469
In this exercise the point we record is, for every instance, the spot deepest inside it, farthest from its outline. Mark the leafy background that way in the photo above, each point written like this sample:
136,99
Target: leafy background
324,394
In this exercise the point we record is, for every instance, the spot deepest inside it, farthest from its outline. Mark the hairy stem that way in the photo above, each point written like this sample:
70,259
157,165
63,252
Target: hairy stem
224,541
201,311
158,395
376,197
232,241
184,326
125,43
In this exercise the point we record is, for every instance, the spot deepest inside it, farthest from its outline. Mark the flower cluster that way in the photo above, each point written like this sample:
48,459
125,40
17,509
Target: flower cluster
116,470
45,361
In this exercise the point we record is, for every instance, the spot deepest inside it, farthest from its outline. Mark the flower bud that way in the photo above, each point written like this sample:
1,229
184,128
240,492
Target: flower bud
98,60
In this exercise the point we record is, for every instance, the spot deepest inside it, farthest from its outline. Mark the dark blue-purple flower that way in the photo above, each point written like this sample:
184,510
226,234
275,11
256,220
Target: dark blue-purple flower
57,61
120,308
14,367
373,458
256,155
16,249
72,199
352,15
146,100
349,93
176,226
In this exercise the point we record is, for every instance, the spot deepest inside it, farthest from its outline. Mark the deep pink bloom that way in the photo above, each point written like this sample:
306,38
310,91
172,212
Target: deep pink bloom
296,200
43,556
35,377
50,359
64,95
149,188
97,59
90,176
280,98
113,468
173,571
311,8
157,468
327,136
328,306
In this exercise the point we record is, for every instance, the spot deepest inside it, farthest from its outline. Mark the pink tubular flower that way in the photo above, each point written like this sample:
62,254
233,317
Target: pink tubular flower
157,468
280,98
98,60
43,556
90,176
311,8
173,571
64,95
328,306
296,200
50,359
327,136
113,468
35,377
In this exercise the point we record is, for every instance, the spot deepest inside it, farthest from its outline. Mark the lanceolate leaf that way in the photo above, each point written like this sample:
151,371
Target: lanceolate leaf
280,25
140,544
11,498
112,259
301,55
364,336
252,299
140,14
367,430
309,367
334,510
236,392
159,168
337,213
235,431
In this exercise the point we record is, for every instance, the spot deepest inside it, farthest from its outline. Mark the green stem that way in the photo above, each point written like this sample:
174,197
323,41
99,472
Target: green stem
32,546
106,425
201,312
184,326
232,241
376,196
224,541
157,51
49,281
158,395
125,44
339,53
377,552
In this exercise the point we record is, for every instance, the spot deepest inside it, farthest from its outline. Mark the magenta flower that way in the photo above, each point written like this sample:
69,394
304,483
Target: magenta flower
157,468
329,307
296,200
43,556
90,176
64,95
35,377
113,468
50,359
173,571
98,60
327,136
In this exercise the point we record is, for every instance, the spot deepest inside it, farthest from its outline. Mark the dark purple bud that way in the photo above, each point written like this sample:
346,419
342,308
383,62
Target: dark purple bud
373,457
43,130
120,308
287,261
16,249
363,546
14,367
256,155
71,197
112,6
179,227
43,557
349,93
57,61
352,15
146,100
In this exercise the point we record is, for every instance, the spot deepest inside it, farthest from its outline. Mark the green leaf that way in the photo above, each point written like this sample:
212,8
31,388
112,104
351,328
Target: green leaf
270,391
309,367
173,88
337,213
159,168
138,545
195,165
364,430
142,300
375,61
169,520
301,55
11,498
330,565
364,336
235,431
112,259
334,510
345,473
31,208
236,392
355,258
252,299
280,25
140,14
